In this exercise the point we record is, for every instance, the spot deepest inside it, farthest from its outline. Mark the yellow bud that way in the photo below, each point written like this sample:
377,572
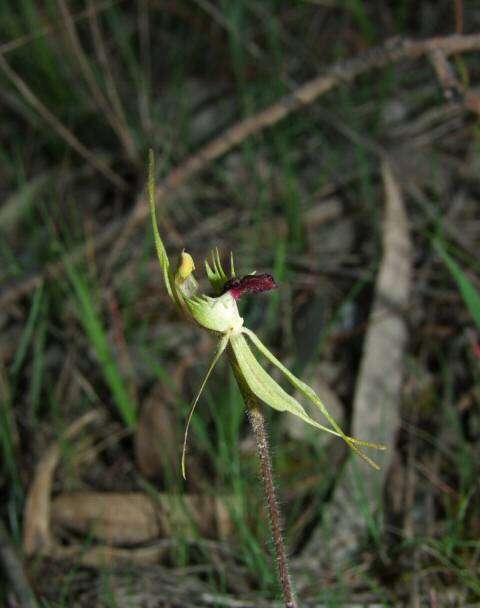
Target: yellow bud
184,279
185,267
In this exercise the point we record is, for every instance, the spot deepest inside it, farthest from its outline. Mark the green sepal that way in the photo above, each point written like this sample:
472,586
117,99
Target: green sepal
310,394
161,252
265,387
168,277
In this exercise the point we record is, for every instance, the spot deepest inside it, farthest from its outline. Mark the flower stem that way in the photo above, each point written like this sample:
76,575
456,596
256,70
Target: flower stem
257,422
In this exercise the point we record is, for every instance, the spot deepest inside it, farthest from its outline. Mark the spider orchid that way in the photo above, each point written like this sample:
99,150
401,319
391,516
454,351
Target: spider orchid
220,315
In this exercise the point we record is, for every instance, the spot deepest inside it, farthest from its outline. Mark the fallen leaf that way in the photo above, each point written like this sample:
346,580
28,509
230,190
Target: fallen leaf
132,518
36,518
116,518
354,507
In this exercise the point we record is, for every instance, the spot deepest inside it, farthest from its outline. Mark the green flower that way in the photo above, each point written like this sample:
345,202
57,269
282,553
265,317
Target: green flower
220,315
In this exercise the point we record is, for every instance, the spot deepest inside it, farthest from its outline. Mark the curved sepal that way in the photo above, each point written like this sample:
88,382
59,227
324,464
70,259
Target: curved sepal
310,394
265,387
183,283
161,252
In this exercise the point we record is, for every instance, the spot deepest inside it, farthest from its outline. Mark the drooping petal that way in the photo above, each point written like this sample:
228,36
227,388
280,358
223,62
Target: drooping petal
314,398
222,345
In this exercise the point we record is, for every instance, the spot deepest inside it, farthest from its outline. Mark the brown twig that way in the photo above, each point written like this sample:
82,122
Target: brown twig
58,126
453,89
50,28
257,423
115,103
80,56
103,105
392,51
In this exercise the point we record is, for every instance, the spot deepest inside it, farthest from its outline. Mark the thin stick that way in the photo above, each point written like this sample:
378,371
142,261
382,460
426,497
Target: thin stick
58,126
83,61
453,89
51,28
110,85
257,423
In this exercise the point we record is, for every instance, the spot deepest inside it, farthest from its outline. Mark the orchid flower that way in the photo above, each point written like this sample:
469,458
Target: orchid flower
220,315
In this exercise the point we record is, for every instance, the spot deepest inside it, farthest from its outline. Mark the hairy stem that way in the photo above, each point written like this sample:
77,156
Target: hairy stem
257,423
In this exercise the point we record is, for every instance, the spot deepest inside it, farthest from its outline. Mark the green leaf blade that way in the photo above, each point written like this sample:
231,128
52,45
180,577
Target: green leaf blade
470,295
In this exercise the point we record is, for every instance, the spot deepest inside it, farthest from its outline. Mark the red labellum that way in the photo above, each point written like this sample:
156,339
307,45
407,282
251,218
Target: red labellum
252,283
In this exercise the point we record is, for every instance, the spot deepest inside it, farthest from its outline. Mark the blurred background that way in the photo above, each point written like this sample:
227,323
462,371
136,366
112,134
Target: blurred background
352,176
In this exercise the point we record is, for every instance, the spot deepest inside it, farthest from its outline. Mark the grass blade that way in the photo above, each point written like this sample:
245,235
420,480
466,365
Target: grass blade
469,293
97,335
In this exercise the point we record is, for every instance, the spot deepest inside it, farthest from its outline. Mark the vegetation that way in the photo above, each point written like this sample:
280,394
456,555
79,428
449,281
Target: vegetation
86,324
